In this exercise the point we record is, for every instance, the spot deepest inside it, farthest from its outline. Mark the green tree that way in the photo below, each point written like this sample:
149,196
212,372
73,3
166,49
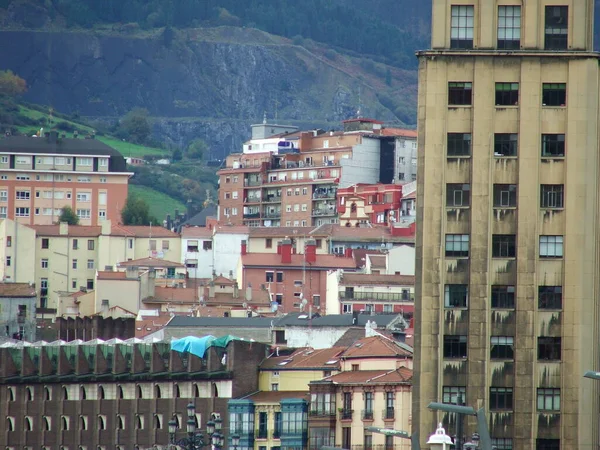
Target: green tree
196,150
11,85
68,215
136,212
135,126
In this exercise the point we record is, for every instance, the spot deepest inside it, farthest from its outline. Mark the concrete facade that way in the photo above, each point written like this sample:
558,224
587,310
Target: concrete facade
525,222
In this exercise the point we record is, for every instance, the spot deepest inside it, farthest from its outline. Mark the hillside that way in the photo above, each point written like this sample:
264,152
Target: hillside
203,81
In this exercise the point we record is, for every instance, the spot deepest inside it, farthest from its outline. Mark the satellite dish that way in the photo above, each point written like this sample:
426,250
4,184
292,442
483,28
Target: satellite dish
244,305
303,304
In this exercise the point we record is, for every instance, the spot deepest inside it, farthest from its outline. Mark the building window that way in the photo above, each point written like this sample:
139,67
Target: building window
554,94
504,245
461,26
279,277
22,212
458,194
552,195
459,144
455,346
268,243
74,264
549,348
460,93
551,246
8,261
322,404
501,398
550,297
503,297
455,395
90,244
507,94
505,195
502,443
90,284
502,347
553,145
321,437
509,27
165,244
557,27
130,243
547,444
388,308
23,195
548,399
456,295
316,300
269,277
90,263
505,144
84,213
74,283
44,263
457,245
368,411
75,244
368,442
102,214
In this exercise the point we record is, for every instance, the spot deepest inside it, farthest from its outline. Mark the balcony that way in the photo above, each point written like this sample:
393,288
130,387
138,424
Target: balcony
324,195
346,414
272,199
252,199
322,412
367,414
272,215
374,296
388,413
324,212
252,215
251,182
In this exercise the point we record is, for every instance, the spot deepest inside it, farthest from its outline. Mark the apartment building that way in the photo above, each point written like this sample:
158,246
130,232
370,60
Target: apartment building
291,179
369,203
507,206
41,175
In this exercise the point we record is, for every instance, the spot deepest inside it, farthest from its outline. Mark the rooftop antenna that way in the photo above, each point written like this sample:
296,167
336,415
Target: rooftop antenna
276,108
359,112
265,118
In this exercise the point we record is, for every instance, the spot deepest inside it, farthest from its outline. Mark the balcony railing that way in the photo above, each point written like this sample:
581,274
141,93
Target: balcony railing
367,414
272,199
385,296
388,413
252,215
324,212
272,215
252,200
325,195
346,414
262,434
249,182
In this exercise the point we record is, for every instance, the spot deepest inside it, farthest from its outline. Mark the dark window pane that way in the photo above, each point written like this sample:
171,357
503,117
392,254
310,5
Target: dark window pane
501,398
505,144
505,195
456,295
507,94
504,245
458,194
554,94
460,93
503,297
550,297
553,145
549,348
557,27
459,144
455,346
552,196
461,26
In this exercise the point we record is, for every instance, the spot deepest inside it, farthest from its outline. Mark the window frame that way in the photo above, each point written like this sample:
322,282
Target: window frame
460,93
505,196
451,240
556,36
549,348
450,393
504,246
501,398
556,242
552,196
507,94
504,141
554,95
456,296
549,297
462,24
548,397
502,294
455,347
503,25
502,347
458,144
460,192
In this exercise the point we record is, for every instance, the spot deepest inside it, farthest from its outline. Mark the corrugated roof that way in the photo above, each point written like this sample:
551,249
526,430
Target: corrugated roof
150,263
400,375
306,358
274,260
17,290
367,279
334,320
73,230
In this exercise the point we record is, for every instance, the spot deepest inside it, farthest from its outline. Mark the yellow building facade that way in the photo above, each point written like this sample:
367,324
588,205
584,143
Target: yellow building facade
507,261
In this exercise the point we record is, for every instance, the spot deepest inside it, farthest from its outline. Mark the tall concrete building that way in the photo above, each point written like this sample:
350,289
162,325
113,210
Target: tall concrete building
507,244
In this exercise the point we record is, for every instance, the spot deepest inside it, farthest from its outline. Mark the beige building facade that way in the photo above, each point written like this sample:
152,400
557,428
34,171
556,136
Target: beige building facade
507,206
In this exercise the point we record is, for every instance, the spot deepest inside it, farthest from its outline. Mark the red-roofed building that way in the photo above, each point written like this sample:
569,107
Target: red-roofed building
377,204
289,277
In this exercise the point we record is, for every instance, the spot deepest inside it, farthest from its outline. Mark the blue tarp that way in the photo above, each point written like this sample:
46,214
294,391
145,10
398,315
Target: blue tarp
194,345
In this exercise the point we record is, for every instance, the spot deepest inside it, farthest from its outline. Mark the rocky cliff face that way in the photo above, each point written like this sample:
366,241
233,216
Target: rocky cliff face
208,83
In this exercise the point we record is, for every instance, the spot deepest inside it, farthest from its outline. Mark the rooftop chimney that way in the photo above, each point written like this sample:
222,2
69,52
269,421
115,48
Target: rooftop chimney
310,251
63,229
348,252
244,247
286,251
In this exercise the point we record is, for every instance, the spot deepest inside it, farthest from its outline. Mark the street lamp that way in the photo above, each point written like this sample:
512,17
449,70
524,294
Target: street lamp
414,439
235,441
195,439
591,374
482,428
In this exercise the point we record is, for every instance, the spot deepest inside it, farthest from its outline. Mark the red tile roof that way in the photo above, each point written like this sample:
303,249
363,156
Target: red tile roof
376,347
274,260
150,263
306,358
73,230
366,279
280,231
109,275
16,290
360,255
362,234
398,132
196,232
378,261
400,375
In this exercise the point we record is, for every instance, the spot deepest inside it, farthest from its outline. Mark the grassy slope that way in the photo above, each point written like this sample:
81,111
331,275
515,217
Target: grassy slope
160,204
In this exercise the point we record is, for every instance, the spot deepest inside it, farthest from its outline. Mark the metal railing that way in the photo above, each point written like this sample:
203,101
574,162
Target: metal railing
252,215
327,195
324,212
388,413
346,414
272,215
248,182
272,199
367,414
386,296
322,412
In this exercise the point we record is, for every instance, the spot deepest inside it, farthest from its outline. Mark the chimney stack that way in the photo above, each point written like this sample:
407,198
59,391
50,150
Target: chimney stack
63,229
348,252
286,251
244,247
310,251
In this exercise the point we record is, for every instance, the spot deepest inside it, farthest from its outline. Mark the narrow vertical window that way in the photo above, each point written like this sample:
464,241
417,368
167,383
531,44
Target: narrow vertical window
461,27
509,27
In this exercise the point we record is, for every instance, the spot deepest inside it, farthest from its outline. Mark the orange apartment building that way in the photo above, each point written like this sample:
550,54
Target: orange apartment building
41,175
291,179
373,203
